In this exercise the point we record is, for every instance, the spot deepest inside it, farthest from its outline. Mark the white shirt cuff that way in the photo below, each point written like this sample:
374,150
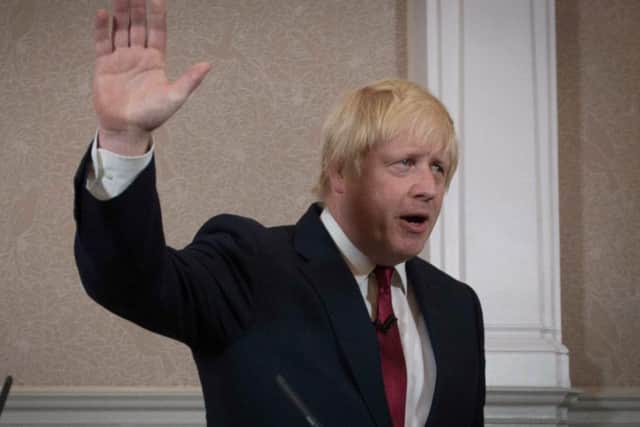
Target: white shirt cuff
109,174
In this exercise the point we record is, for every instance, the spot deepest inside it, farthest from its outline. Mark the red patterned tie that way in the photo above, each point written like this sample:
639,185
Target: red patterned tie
394,372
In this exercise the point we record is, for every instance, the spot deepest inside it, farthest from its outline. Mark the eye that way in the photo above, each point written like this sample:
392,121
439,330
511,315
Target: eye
438,168
403,166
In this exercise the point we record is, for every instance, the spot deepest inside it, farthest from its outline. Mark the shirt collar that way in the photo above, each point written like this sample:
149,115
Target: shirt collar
359,263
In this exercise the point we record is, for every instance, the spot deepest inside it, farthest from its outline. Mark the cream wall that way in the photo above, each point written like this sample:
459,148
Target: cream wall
246,142
598,47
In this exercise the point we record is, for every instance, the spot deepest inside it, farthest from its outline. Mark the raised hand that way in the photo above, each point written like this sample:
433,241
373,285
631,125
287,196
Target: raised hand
131,93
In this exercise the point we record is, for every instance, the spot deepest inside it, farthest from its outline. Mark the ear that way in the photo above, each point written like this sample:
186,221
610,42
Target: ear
337,179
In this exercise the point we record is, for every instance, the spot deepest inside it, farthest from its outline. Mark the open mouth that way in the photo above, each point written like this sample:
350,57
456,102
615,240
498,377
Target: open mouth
415,219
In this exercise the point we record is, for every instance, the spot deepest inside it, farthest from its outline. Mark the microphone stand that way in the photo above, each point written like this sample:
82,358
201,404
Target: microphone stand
5,392
297,401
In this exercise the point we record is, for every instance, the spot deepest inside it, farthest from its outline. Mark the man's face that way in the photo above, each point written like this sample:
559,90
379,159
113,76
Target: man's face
390,209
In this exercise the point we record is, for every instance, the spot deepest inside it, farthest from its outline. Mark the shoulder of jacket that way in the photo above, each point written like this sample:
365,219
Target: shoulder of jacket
245,232
441,278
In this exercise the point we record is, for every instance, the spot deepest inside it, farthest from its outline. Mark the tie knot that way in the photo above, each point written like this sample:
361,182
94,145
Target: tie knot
383,276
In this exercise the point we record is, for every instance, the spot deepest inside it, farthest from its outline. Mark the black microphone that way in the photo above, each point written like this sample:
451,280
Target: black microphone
297,401
386,325
5,392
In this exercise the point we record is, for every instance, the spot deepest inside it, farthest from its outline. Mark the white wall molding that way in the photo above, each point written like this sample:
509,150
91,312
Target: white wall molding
139,406
612,406
492,63
523,406
184,407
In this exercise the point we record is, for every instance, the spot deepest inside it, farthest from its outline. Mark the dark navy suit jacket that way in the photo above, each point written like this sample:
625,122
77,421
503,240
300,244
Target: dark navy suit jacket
254,302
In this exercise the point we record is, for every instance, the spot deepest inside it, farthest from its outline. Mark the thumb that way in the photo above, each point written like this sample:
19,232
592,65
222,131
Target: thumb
189,81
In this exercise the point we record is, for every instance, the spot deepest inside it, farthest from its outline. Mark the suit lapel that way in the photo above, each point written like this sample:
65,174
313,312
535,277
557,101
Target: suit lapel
430,302
330,276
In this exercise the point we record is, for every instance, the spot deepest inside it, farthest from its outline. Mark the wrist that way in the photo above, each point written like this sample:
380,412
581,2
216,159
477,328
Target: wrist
125,143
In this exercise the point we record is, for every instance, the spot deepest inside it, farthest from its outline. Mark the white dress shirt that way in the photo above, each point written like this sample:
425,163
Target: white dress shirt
416,345
110,174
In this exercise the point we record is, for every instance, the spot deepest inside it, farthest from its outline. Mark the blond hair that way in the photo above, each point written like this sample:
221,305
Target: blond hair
376,114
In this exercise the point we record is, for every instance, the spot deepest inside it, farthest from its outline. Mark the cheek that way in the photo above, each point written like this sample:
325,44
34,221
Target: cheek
390,194
438,203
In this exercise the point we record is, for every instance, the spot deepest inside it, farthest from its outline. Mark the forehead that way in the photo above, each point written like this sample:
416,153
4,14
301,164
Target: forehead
433,141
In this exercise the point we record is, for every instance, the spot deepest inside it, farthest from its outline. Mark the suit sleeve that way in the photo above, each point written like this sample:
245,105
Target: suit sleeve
200,295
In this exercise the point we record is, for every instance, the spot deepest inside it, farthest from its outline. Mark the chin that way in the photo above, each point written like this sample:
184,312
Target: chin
398,256
395,251
411,254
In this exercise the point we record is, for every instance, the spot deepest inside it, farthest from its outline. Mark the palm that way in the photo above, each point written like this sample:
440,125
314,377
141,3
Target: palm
131,88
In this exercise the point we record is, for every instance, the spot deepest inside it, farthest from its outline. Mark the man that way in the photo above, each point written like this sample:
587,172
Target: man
332,321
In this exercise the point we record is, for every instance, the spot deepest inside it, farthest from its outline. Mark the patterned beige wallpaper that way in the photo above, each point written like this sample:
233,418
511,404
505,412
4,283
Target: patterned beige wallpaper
246,142
598,45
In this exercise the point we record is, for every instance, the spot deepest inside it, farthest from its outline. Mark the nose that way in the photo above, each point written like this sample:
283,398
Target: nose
426,184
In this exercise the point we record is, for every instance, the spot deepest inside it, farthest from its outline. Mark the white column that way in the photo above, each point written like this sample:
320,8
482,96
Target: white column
492,63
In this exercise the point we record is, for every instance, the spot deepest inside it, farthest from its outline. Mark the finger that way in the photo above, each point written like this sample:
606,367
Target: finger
120,23
103,41
157,25
188,82
138,31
